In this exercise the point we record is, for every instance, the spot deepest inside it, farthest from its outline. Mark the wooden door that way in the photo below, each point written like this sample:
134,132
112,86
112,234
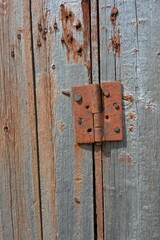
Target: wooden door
51,187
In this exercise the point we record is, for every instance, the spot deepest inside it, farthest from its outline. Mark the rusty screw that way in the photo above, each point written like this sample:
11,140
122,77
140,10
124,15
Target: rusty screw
77,97
80,120
117,129
116,106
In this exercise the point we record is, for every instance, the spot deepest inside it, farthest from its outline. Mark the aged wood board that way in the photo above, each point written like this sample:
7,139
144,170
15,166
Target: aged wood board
129,51
61,39
19,184
51,187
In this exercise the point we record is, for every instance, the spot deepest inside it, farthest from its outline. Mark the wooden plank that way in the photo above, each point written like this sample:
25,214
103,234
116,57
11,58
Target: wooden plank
19,191
98,171
62,59
132,168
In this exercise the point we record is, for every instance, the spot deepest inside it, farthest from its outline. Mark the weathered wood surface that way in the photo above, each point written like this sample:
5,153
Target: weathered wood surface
131,169
97,164
62,59
19,188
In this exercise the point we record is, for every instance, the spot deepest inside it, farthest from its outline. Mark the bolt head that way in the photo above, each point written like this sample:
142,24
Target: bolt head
106,94
80,120
77,97
117,129
116,105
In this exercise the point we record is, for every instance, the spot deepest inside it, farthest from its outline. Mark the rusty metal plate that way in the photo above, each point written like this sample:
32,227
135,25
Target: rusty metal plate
112,114
86,102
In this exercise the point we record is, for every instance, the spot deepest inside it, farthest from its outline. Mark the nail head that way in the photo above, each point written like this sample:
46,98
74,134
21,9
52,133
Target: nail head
117,129
77,97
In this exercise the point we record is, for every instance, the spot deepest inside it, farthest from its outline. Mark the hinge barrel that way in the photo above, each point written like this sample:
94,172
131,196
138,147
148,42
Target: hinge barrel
98,127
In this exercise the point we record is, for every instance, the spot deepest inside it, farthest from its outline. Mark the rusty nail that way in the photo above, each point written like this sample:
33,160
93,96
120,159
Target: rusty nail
13,54
80,120
66,92
45,30
77,97
53,67
19,36
55,26
116,106
117,129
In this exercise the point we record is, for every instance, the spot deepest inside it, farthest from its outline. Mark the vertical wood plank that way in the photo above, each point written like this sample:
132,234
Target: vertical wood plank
19,191
62,58
98,165
132,168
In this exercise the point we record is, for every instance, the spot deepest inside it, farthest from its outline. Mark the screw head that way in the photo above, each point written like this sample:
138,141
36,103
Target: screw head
116,105
77,97
106,94
117,129
80,120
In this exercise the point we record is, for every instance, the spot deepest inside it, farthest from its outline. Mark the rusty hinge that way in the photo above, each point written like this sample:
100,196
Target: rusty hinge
97,112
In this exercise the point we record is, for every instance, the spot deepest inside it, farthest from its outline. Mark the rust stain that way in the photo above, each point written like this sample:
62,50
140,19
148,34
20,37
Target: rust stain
149,106
19,36
116,43
61,126
78,26
130,116
39,43
72,46
76,51
40,27
113,15
131,127
55,26
125,158
128,97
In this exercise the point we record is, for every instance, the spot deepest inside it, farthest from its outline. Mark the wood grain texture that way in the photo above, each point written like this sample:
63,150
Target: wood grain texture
132,168
62,59
19,187
98,165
